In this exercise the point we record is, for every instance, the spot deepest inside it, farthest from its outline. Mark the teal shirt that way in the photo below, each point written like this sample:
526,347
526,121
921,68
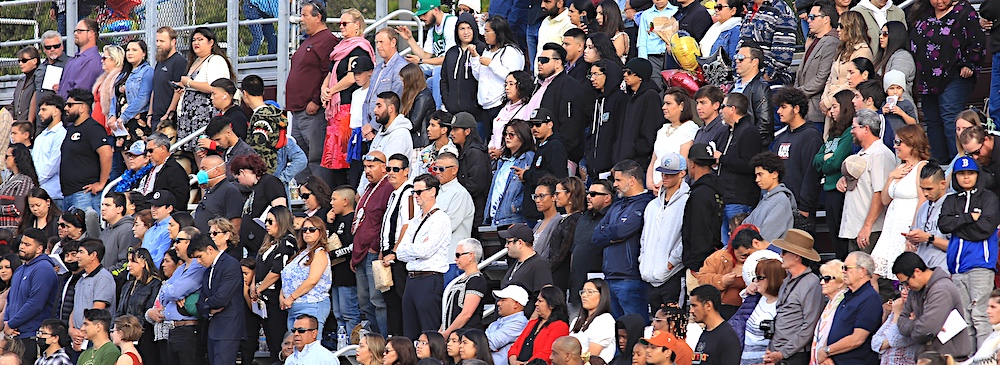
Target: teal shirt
840,147
107,354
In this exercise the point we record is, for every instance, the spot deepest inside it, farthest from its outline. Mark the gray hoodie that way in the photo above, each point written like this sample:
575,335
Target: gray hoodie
930,308
391,140
117,239
773,215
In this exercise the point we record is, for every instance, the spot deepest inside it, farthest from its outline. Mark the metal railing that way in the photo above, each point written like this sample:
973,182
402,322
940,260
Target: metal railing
482,265
192,179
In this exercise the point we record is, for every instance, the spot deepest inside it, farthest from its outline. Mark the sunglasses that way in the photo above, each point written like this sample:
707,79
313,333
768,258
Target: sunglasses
305,196
719,7
543,60
344,24
179,239
760,278
593,194
511,135
301,330
394,169
419,191
740,57
537,124
628,72
371,158
896,142
215,233
54,46
814,16
24,60
309,229
825,279
441,168
269,221
976,152
458,255
883,33
68,103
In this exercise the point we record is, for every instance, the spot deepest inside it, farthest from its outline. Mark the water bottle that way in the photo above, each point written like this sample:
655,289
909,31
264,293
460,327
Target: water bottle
341,337
261,341
364,328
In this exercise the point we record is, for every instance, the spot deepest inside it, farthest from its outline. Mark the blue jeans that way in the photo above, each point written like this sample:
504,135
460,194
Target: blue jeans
940,112
320,310
995,87
370,299
434,83
345,306
260,31
531,33
83,200
728,212
628,296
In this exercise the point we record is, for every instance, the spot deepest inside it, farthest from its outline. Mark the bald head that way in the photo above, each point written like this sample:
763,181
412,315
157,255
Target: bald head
214,165
566,350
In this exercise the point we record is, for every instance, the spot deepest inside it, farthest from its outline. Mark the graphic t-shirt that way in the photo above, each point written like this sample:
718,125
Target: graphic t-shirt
715,347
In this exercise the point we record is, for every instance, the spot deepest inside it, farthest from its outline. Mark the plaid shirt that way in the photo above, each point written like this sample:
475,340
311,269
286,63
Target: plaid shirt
57,358
16,186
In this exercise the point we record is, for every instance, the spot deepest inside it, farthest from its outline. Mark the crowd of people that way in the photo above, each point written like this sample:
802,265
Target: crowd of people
645,223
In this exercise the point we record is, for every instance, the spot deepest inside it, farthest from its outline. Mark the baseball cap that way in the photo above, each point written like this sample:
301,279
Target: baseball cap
423,6
518,231
681,350
162,198
462,120
671,164
515,292
852,169
138,148
362,64
701,152
540,115
965,163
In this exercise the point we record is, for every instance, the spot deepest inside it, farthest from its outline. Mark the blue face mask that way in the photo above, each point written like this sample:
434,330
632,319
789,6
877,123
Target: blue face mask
202,176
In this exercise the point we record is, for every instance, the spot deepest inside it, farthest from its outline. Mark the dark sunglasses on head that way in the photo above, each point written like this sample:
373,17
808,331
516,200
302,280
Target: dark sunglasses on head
543,60
54,46
371,158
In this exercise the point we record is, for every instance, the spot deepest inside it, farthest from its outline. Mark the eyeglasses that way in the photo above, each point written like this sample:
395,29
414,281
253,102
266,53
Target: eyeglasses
371,158
659,319
441,168
75,31
825,279
301,330
214,233
511,241
586,292
814,16
510,83
509,134
592,75
394,169
309,229
419,343
458,255
54,46
561,191
543,60
719,7
593,194
269,221
760,278
179,239
419,191
628,72
41,333
896,142
537,197
305,196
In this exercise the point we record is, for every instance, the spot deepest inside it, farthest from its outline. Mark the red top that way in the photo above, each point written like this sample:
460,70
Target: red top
310,64
543,340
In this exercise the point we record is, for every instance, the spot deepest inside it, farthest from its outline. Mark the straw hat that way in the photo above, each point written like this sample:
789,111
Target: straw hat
798,242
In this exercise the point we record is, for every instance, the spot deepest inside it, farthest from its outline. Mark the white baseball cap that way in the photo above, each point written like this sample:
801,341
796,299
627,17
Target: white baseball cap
517,293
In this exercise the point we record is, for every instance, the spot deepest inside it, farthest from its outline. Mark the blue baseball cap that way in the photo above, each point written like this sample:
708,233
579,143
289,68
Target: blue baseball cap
965,163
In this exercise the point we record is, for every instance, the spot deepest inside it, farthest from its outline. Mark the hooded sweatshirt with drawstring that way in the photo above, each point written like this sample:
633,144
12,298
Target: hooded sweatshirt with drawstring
661,237
773,215
633,324
602,134
973,242
458,86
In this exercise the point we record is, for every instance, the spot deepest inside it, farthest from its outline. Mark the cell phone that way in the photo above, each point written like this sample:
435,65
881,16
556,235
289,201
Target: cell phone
176,86
584,19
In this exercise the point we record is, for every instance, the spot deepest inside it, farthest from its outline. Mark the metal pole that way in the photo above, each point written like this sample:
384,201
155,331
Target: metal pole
152,23
381,8
233,32
72,17
283,44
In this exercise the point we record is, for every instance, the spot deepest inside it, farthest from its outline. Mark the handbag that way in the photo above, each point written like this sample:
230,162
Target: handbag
382,275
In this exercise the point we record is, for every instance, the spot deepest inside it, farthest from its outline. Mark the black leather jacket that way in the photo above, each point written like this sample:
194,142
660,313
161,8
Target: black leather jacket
759,94
423,105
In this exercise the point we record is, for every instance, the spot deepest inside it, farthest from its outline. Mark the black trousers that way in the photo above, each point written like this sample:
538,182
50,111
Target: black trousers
669,292
183,344
249,345
30,350
799,358
150,351
422,304
275,326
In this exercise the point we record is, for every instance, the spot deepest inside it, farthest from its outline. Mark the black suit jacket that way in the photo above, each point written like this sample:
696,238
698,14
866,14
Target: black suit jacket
225,292
174,179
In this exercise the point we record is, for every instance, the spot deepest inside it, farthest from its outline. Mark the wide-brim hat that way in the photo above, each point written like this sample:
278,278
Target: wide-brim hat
798,242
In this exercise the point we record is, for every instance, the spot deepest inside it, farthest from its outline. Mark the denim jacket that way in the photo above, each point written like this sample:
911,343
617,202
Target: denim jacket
138,89
728,41
509,211
291,161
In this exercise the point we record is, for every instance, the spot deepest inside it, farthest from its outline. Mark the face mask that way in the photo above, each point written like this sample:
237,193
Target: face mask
73,266
202,176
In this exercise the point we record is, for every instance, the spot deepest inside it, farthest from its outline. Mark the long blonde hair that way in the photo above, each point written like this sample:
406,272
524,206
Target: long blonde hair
853,31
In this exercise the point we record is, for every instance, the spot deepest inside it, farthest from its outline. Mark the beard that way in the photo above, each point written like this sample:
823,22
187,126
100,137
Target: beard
162,55
47,121
382,119
72,117
27,257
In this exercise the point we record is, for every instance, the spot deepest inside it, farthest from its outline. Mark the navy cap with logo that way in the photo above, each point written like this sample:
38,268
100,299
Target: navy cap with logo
701,152
361,64
462,120
162,198
540,115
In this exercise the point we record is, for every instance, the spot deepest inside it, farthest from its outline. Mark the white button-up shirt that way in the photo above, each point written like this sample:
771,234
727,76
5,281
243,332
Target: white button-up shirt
313,353
425,246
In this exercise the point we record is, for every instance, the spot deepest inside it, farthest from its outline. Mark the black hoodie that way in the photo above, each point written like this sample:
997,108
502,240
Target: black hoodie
474,172
609,111
550,159
634,325
458,87
637,130
701,231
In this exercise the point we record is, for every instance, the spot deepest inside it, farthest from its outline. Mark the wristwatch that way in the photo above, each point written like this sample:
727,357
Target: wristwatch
827,350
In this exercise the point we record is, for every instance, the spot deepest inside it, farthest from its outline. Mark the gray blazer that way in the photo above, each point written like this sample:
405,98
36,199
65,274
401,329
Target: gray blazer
813,73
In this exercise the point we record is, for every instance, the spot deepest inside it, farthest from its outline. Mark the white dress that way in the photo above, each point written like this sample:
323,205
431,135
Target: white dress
669,139
898,219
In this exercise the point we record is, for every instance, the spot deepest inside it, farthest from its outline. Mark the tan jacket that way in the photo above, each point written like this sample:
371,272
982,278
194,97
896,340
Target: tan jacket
717,265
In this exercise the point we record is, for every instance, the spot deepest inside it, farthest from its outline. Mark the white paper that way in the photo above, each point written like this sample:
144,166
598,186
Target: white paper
53,74
259,309
595,275
118,131
952,326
